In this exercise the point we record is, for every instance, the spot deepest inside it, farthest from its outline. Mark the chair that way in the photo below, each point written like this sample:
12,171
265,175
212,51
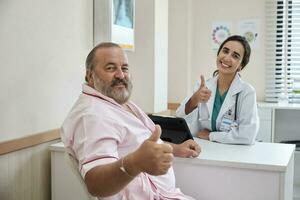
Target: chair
73,163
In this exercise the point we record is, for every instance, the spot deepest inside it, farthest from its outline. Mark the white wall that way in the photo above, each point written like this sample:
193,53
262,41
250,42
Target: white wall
190,51
161,56
180,40
149,61
42,54
142,59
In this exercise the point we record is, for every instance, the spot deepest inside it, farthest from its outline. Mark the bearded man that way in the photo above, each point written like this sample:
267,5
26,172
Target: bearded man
117,146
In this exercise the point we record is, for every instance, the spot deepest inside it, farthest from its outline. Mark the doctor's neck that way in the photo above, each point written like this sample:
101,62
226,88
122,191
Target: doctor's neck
224,82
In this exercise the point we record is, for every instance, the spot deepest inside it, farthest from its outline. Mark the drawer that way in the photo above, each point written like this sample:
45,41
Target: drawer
265,113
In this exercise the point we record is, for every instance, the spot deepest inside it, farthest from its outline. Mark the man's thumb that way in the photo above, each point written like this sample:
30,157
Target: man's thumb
202,83
156,134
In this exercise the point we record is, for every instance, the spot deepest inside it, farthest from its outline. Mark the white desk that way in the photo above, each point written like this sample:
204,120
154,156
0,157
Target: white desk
229,172
263,171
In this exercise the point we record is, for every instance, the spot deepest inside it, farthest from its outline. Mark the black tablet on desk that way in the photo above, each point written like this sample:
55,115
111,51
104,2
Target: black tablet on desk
174,129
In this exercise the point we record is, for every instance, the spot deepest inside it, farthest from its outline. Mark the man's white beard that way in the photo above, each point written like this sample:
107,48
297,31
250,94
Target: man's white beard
121,96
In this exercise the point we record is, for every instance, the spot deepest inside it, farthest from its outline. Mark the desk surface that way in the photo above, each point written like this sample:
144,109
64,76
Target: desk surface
261,156
294,106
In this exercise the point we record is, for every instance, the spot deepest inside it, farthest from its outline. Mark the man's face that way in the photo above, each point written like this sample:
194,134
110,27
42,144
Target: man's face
111,74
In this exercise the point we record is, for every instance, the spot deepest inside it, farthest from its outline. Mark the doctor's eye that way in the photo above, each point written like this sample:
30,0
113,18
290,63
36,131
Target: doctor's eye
236,56
225,50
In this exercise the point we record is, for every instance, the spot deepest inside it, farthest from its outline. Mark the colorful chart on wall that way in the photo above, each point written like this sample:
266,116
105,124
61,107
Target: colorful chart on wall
220,31
250,30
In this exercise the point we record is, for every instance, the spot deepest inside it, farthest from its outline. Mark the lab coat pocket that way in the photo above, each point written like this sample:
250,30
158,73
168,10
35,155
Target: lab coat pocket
227,121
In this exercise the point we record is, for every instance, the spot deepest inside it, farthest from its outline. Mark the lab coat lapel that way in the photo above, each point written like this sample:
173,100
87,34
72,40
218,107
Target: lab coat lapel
229,101
212,85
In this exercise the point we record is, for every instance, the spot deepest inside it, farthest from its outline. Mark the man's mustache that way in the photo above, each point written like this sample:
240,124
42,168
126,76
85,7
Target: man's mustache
118,81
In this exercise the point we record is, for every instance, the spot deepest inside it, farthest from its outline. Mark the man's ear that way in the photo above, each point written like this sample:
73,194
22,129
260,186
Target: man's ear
89,77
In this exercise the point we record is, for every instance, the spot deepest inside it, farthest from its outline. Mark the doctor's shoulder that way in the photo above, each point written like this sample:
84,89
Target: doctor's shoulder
247,87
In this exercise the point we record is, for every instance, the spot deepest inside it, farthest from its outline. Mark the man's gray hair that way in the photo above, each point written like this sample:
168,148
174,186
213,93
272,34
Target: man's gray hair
89,63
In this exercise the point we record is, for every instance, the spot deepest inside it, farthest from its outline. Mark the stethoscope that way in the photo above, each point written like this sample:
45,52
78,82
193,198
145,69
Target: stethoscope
235,106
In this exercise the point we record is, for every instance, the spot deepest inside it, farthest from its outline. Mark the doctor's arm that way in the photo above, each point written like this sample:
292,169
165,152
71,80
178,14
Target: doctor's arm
247,122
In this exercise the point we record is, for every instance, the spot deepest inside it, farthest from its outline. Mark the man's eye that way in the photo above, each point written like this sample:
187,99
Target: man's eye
110,68
125,69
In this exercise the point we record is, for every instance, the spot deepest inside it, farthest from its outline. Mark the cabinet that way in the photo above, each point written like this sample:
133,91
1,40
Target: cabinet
281,122
265,124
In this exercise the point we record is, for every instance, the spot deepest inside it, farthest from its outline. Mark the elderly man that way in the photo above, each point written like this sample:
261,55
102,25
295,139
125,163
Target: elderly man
117,146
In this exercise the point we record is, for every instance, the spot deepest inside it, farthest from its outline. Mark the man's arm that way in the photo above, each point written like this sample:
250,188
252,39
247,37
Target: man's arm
150,157
187,149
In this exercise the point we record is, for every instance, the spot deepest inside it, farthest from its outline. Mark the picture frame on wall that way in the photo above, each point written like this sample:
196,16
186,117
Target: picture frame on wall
114,21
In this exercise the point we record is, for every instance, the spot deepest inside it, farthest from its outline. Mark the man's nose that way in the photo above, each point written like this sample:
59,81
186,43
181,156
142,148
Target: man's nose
119,74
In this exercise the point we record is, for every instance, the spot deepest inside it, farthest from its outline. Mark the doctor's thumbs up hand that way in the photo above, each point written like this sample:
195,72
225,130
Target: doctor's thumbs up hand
202,95
152,157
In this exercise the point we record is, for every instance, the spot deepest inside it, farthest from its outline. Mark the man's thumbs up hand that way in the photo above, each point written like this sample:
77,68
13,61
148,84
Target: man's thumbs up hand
156,134
152,157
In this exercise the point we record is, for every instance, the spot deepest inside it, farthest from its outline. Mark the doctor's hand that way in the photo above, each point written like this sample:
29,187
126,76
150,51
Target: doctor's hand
202,95
151,157
204,134
187,149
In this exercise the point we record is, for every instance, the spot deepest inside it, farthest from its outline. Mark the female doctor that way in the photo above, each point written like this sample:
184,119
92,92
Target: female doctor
223,109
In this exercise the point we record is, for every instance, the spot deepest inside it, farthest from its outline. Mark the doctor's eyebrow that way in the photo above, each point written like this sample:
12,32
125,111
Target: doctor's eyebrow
236,54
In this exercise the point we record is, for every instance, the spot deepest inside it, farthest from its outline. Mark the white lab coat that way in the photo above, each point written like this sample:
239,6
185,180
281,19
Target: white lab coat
247,118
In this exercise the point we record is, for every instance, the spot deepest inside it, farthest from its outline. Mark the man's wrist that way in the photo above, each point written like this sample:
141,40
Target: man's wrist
176,149
127,168
123,168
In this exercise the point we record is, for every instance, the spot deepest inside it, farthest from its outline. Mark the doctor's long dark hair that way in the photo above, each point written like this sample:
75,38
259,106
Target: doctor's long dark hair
244,43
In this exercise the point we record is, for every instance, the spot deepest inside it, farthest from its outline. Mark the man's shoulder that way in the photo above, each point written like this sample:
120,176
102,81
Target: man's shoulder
87,105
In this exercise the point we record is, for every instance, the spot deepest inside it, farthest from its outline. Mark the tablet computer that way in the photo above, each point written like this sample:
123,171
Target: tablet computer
174,129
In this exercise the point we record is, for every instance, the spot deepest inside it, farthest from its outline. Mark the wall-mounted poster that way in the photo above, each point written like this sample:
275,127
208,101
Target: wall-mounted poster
122,27
249,29
220,31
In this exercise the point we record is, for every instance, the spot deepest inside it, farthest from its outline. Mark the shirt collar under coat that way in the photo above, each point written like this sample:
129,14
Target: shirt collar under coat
235,87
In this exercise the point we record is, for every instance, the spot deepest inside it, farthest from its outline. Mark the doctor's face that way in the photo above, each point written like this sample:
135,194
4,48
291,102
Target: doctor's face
111,74
230,58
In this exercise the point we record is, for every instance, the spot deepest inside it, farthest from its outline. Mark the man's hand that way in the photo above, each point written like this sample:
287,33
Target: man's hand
202,95
151,157
187,149
204,134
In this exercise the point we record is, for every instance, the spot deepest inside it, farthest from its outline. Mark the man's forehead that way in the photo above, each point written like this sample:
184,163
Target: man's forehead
110,54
